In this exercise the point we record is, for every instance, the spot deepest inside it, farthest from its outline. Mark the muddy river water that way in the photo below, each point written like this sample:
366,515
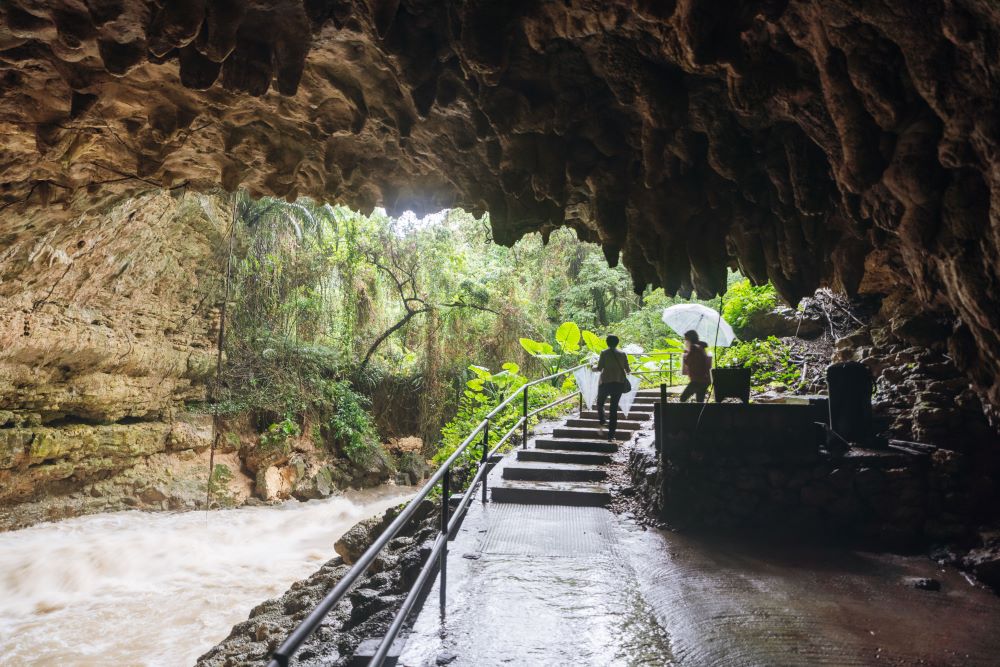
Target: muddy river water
159,589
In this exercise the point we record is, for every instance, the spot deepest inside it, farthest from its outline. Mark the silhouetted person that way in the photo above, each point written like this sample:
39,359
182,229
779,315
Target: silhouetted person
613,365
697,366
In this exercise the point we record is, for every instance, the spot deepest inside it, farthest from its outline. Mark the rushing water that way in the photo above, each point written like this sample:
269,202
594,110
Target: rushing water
137,588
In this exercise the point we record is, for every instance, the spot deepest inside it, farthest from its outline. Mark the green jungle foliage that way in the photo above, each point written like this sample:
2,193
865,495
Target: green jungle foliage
769,358
483,393
744,300
342,326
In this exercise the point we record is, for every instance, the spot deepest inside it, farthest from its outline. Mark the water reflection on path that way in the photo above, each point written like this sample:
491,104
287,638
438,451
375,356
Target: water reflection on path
533,585
739,603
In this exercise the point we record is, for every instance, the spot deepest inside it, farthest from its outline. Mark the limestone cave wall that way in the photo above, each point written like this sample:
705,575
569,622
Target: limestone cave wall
107,328
832,142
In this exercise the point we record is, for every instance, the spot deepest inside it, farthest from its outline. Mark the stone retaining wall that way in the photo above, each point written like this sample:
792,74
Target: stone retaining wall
760,468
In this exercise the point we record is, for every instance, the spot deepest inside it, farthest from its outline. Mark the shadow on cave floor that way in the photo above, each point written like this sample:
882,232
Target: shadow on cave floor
629,596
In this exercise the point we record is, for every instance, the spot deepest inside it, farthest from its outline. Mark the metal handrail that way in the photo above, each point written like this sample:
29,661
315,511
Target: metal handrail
507,435
669,371
283,655
553,404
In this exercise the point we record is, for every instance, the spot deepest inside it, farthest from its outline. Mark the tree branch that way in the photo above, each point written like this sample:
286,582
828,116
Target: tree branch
410,314
462,304
406,286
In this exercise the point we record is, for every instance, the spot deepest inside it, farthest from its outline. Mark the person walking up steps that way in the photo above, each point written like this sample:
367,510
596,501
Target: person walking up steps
613,366
697,366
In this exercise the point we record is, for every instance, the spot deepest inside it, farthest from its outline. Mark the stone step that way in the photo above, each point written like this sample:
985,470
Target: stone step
554,472
640,402
623,424
563,456
577,445
578,494
590,433
641,407
633,415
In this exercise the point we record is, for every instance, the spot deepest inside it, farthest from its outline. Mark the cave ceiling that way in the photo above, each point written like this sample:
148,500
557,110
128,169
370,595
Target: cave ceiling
806,142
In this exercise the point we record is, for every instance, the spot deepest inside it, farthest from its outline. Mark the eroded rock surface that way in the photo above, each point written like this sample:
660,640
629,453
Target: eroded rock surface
106,333
796,139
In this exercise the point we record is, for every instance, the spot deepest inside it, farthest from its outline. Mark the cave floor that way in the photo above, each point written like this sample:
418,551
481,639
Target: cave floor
542,585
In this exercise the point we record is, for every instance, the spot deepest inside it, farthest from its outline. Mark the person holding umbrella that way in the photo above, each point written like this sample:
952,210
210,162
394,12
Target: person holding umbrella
698,323
614,370
697,366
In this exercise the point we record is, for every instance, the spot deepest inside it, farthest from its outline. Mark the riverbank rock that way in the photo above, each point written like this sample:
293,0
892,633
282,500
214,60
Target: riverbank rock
357,539
168,481
361,536
317,485
106,333
365,612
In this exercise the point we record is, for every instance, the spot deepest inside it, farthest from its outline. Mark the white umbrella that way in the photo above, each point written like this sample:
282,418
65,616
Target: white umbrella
693,316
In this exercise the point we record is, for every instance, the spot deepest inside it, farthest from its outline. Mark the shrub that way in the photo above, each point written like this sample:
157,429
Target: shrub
274,440
351,427
769,359
483,393
743,300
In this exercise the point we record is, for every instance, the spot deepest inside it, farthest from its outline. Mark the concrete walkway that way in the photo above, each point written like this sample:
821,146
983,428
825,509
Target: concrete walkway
556,585
538,585
549,585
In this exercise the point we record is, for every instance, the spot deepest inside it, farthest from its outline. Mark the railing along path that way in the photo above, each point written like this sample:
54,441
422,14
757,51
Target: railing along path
438,558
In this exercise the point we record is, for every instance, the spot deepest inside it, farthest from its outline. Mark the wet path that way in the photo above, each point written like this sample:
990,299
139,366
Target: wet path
542,585
539,585
756,604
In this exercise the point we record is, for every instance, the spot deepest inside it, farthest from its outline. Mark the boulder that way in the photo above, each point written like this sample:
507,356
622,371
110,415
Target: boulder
273,484
313,487
985,564
354,542
781,322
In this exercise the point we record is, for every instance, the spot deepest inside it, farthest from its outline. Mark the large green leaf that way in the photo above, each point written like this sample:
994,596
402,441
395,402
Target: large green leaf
531,346
511,367
594,343
481,372
568,336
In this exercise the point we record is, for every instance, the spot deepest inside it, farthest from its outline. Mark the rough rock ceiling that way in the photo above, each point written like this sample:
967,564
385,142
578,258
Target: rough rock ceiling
796,139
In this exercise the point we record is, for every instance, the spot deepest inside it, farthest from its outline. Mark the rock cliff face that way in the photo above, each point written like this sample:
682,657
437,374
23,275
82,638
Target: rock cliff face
808,142
106,331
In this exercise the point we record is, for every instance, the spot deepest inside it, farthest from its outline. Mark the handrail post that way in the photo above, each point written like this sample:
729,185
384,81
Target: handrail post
663,393
524,415
443,558
305,628
482,460
670,358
